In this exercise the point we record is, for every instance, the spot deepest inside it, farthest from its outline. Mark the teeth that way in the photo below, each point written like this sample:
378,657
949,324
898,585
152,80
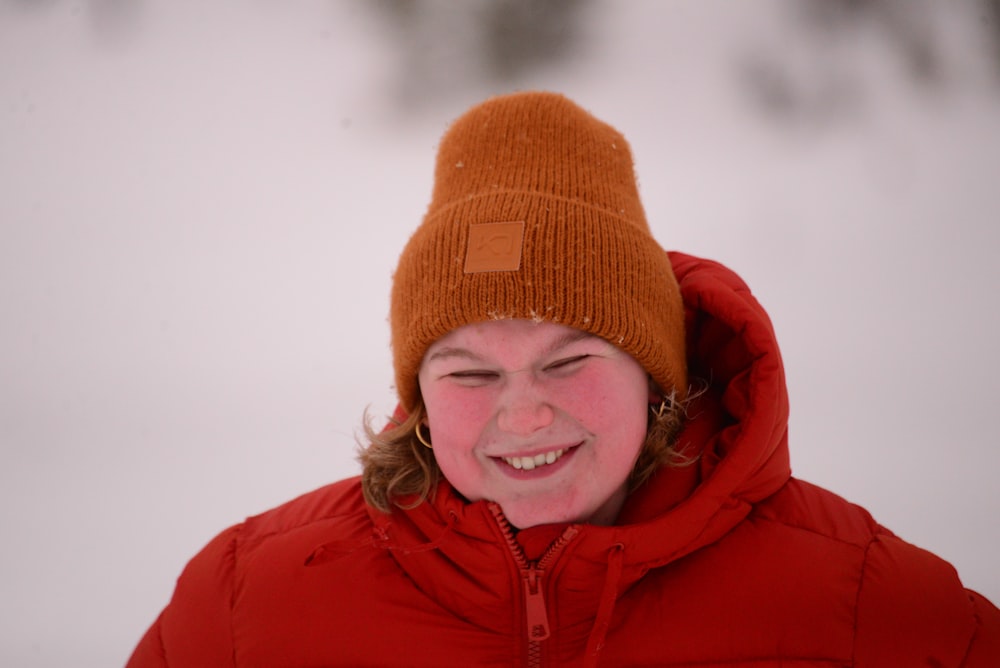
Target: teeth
529,463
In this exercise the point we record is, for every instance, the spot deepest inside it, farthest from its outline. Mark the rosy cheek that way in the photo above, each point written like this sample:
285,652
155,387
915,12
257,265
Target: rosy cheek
458,414
586,397
598,400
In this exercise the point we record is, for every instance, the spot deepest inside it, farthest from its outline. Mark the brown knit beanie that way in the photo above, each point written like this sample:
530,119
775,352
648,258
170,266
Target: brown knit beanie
535,214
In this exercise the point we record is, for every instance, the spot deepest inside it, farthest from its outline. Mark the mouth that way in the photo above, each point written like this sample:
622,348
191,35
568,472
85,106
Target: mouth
529,463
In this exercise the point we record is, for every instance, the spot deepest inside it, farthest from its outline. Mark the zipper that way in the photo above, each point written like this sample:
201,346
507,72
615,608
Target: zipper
536,616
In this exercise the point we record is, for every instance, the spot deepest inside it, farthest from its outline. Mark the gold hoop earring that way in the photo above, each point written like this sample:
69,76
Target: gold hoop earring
420,437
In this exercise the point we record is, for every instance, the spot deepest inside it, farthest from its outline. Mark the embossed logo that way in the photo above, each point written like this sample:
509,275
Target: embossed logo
494,247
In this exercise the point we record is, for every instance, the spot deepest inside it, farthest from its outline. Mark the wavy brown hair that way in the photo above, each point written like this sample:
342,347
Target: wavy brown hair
398,470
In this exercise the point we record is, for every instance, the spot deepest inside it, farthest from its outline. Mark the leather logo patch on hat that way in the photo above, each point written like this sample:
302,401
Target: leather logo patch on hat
494,247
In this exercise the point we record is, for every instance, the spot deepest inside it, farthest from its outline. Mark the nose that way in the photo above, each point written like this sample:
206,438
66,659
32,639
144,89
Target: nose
523,408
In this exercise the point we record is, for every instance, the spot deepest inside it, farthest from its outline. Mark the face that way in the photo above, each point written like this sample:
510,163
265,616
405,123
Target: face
546,420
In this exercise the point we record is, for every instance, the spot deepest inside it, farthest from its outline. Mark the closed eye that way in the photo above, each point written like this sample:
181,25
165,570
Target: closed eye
474,376
566,364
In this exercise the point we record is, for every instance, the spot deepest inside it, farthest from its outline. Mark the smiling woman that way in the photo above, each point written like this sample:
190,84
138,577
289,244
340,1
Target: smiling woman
551,491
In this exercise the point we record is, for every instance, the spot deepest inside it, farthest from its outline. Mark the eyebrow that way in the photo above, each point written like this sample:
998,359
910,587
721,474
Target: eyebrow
566,339
450,352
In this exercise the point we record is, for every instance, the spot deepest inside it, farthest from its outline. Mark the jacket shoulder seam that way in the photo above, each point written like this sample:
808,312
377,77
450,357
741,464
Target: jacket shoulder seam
232,553
256,528
857,596
860,544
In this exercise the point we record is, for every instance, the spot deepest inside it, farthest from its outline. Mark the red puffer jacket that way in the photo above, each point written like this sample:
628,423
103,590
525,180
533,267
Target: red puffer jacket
729,562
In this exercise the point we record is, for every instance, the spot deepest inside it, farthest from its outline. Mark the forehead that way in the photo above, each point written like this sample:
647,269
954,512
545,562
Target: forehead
526,336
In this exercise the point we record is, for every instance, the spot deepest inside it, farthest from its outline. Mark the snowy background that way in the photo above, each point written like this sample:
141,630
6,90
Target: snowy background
201,204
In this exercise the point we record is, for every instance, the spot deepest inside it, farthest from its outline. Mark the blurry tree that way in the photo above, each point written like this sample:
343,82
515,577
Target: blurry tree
445,45
821,80
30,4
112,21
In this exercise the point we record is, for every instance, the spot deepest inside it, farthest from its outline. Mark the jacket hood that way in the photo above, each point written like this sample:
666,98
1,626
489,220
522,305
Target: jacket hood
737,423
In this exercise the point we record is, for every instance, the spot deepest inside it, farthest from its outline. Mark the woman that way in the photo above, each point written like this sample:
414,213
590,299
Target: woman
589,465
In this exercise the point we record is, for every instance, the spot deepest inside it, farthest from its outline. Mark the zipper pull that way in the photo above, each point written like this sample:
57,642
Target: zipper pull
534,601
